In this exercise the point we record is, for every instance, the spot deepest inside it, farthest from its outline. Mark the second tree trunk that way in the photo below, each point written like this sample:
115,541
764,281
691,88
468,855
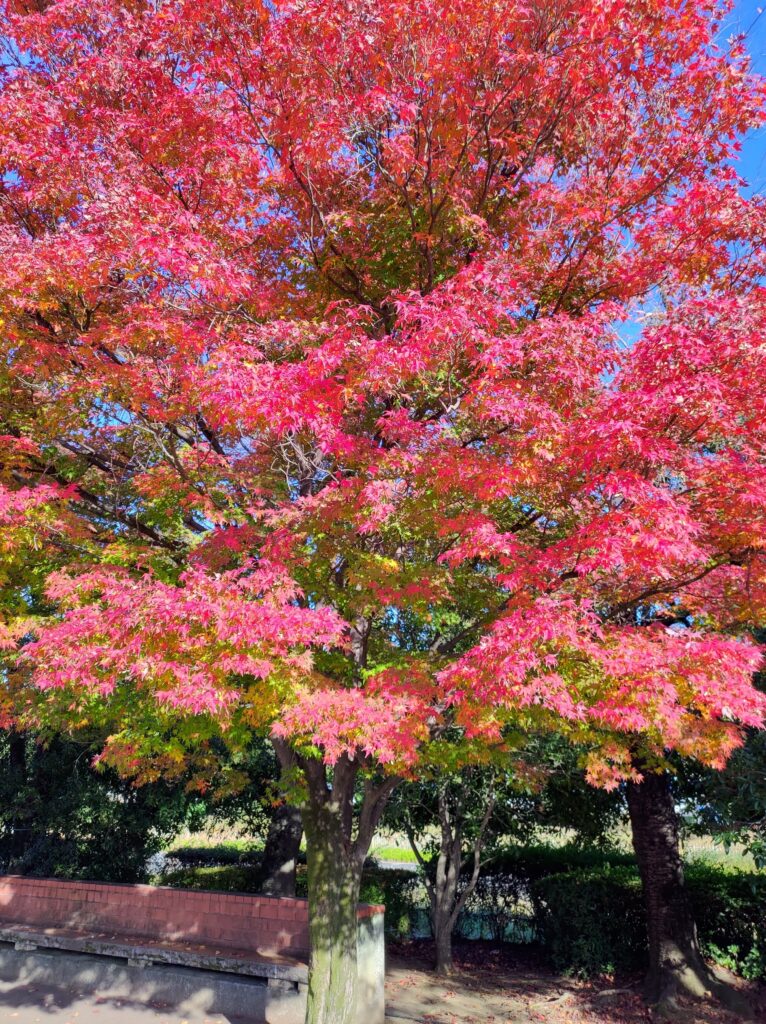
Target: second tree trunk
675,961
280,856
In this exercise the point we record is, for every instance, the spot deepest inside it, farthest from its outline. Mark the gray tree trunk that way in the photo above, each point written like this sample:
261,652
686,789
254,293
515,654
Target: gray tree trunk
280,855
446,902
339,819
333,884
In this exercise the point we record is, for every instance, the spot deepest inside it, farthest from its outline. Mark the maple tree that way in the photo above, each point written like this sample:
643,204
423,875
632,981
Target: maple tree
316,414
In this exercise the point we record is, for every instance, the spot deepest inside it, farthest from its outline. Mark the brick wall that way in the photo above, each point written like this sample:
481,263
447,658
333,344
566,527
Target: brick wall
223,921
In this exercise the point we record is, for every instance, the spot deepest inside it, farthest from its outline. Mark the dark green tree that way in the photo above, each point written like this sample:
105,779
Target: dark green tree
61,816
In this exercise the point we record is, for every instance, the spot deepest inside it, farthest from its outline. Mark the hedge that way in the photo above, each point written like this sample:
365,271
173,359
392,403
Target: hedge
592,921
525,864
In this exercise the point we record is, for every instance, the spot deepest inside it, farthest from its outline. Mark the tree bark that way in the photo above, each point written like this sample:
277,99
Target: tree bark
444,891
339,829
442,928
17,757
280,856
333,891
676,965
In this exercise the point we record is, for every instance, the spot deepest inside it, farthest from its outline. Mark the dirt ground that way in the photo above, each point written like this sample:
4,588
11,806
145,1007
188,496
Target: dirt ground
495,986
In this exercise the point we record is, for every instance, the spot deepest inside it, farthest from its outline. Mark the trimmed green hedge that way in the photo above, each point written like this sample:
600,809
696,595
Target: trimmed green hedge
592,922
222,855
730,910
527,863
402,894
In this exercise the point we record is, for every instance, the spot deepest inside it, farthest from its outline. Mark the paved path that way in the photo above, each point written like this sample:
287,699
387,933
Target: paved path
47,1004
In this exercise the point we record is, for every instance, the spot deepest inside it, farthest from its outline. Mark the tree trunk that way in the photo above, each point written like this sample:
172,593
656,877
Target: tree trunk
333,891
675,962
442,929
338,830
280,855
446,902
444,891
17,753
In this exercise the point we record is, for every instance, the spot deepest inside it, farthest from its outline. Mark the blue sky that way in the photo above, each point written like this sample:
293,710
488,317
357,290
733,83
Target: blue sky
747,17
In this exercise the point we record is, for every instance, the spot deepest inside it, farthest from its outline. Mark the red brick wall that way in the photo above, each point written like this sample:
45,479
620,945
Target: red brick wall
225,921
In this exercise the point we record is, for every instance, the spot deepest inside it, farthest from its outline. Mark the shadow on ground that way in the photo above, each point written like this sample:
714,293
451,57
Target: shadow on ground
29,996
492,986
31,1004
512,986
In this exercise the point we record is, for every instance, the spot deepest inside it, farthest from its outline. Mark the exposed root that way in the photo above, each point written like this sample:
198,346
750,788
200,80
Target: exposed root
665,992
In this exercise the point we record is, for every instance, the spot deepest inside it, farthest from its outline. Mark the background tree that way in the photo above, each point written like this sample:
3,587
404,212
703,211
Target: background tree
446,822
459,819
729,805
62,817
257,801
562,800
315,311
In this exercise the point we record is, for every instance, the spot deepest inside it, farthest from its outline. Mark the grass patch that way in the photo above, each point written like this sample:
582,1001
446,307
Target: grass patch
704,850
394,854
197,842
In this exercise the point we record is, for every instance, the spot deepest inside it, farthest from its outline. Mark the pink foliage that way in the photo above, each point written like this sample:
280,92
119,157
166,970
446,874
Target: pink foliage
326,308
